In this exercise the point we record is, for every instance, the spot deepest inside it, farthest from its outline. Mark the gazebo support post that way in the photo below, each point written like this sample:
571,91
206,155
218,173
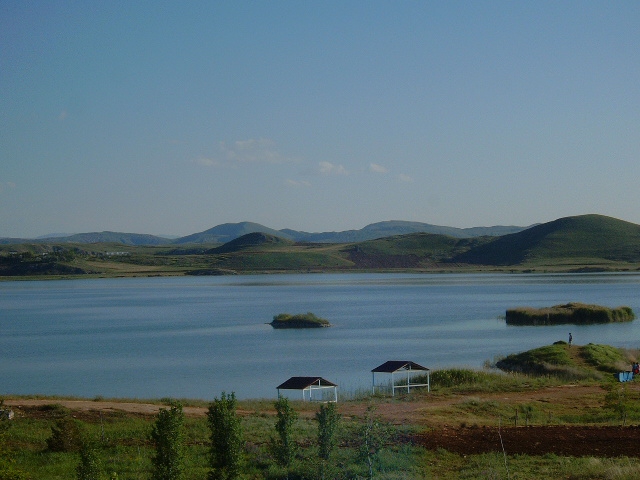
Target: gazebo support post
408,379
393,386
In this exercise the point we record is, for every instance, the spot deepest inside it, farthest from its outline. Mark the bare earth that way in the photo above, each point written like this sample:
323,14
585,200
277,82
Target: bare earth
441,429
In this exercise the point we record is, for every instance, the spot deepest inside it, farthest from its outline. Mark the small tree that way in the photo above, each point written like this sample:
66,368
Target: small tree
373,436
617,401
65,436
89,466
284,448
167,436
227,441
328,421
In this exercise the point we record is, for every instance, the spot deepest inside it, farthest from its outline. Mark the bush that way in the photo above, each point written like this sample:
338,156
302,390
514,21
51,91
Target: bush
167,436
89,466
284,448
65,436
227,441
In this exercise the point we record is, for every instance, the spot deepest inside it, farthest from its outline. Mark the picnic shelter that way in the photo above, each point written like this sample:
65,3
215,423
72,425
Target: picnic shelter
309,385
404,369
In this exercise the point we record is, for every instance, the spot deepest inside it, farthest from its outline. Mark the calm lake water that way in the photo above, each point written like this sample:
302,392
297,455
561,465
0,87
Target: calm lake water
195,337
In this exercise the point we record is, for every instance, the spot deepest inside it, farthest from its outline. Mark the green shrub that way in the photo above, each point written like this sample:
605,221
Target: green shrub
167,436
65,436
227,442
89,467
328,422
284,448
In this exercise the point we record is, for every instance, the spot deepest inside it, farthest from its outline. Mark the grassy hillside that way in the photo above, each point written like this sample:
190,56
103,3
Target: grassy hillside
416,250
251,240
585,238
569,362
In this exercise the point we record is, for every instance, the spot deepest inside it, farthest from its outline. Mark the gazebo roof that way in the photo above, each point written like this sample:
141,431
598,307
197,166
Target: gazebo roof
300,383
392,366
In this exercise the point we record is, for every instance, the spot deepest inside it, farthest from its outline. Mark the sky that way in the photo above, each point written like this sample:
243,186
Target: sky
170,118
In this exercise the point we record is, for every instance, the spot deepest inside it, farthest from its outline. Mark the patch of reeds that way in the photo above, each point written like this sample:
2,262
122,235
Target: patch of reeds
570,313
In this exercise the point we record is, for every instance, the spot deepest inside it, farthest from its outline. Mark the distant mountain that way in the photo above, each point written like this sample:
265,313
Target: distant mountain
229,231
397,227
54,235
226,232
13,241
110,237
581,237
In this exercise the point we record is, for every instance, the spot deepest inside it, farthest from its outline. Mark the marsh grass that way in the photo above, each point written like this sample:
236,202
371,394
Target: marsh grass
469,381
570,313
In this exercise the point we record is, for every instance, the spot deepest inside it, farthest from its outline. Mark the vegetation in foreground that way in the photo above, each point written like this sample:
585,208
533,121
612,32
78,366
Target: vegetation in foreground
573,313
359,438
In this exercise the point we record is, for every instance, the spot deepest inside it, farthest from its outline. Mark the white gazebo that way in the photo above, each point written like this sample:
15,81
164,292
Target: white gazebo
308,385
400,367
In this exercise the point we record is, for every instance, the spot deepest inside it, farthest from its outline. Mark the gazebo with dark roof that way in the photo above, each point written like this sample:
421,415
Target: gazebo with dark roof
309,384
396,366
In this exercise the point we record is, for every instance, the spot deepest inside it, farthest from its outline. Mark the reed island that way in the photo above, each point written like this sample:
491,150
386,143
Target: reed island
299,320
570,313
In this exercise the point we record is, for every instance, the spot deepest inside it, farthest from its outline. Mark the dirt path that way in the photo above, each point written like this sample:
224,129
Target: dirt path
408,411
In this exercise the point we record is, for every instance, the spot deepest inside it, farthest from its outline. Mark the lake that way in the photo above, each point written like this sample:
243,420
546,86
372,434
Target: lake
195,337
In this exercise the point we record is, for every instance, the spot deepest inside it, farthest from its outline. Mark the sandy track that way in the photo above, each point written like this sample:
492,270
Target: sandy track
407,411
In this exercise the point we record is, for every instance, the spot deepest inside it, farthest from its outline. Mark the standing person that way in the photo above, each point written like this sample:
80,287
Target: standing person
570,338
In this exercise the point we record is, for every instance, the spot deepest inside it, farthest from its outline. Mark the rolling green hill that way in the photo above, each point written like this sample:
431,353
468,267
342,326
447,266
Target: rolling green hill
251,240
581,243
397,227
226,232
415,250
584,238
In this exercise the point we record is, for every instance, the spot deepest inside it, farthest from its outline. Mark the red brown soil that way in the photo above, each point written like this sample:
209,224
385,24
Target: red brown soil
443,429
573,441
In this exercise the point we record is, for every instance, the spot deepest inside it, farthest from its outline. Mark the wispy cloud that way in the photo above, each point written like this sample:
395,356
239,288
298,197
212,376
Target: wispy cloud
297,183
375,168
7,186
405,178
328,168
207,162
262,150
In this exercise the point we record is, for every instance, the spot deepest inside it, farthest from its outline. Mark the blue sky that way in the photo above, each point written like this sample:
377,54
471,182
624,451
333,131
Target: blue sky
173,117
